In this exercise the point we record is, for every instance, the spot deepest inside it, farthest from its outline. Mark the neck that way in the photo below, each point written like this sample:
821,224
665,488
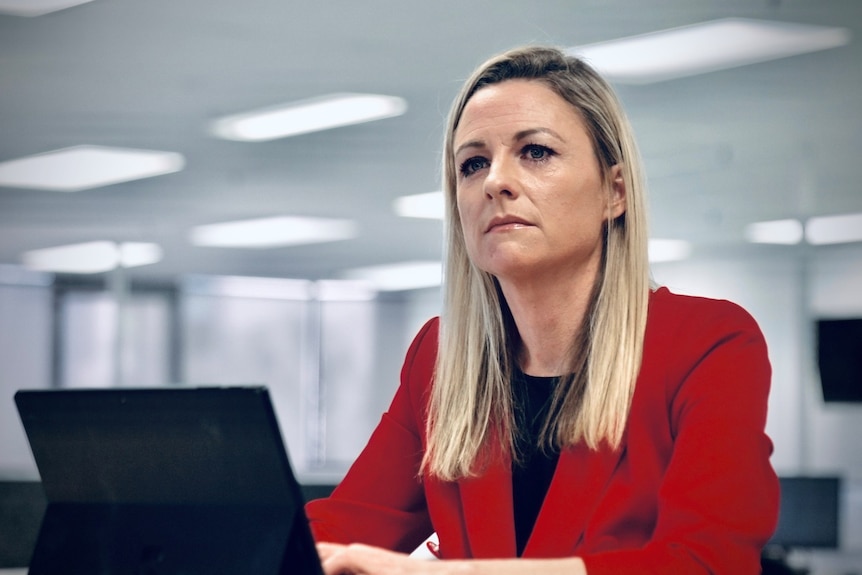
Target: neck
549,317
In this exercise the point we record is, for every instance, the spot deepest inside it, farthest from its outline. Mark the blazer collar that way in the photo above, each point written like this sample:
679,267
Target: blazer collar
575,492
489,514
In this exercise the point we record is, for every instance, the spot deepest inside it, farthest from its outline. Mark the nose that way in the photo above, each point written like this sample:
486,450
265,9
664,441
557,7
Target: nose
501,180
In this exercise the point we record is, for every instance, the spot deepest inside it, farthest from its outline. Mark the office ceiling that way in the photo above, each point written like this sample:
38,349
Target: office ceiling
767,141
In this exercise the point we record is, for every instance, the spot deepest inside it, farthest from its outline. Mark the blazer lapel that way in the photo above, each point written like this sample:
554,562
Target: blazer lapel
575,491
488,511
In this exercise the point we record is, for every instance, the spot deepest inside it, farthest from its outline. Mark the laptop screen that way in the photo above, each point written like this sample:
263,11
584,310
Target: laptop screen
164,480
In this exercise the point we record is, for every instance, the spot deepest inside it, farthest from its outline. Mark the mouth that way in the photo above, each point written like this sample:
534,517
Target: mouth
506,222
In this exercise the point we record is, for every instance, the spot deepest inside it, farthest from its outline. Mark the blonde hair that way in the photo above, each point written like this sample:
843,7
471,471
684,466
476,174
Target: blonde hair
471,410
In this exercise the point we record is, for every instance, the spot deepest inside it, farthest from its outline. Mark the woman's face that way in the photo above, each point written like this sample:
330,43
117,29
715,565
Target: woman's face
529,188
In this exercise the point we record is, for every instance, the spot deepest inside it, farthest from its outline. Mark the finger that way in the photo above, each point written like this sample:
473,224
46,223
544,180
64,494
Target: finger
326,550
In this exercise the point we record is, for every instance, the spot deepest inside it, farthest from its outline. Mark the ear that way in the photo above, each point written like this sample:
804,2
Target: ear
618,195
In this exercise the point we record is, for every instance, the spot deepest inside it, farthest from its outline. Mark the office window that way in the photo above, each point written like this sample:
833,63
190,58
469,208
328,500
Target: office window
229,340
101,346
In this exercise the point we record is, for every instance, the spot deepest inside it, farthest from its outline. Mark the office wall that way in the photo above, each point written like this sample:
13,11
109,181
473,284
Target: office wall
90,352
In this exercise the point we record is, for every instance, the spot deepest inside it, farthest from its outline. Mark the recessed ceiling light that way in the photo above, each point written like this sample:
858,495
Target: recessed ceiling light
36,7
307,116
273,232
834,229
134,254
663,250
706,47
278,288
92,257
344,290
775,232
83,167
400,276
429,205
248,287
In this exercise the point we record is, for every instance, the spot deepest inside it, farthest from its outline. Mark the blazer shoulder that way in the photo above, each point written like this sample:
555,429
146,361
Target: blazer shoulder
687,312
417,371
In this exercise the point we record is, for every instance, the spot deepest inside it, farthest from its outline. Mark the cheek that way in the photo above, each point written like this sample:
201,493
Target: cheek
467,214
469,228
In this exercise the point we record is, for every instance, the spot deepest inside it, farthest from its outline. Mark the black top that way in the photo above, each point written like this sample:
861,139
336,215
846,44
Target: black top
532,477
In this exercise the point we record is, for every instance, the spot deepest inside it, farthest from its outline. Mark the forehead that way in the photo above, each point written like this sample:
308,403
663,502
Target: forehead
517,104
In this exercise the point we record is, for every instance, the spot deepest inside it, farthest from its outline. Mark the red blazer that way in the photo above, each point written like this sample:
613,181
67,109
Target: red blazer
690,490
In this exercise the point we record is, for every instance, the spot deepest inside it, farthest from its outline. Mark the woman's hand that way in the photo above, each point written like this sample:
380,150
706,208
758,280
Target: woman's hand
358,559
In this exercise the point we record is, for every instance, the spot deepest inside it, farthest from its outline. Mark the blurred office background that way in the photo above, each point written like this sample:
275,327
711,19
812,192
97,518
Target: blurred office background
753,167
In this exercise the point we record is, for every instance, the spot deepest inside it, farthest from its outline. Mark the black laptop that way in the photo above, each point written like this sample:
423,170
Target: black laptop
165,481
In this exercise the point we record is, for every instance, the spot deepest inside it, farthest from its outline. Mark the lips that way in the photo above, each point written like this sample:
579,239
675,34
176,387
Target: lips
500,221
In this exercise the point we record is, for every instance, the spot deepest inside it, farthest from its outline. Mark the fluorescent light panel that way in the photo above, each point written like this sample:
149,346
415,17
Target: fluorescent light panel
134,254
838,229
429,205
249,287
706,47
278,288
787,232
307,116
273,232
665,250
36,7
344,290
400,276
92,257
83,167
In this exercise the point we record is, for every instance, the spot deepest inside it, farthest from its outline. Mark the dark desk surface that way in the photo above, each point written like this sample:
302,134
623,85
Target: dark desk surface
22,505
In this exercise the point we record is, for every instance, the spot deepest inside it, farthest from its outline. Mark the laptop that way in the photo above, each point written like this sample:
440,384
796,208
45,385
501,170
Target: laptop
164,481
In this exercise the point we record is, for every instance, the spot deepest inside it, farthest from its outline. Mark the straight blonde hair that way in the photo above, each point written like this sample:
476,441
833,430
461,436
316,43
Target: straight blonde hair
471,412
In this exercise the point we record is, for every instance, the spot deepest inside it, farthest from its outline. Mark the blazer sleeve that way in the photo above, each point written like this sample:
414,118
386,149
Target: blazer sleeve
381,500
718,499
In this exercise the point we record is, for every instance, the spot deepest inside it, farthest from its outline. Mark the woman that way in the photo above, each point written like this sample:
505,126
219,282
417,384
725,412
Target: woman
562,416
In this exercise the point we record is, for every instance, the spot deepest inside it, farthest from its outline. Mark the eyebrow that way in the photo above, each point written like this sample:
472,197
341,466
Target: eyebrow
518,137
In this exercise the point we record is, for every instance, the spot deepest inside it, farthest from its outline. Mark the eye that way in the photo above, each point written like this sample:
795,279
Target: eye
472,165
536,152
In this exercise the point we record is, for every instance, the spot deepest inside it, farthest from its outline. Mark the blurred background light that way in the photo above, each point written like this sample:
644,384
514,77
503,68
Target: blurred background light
273,232
134,254
307,116
92,257
344,290
400,276
83,167
36,7
838,229
705,47
248,287
428,205
787,232
665,250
